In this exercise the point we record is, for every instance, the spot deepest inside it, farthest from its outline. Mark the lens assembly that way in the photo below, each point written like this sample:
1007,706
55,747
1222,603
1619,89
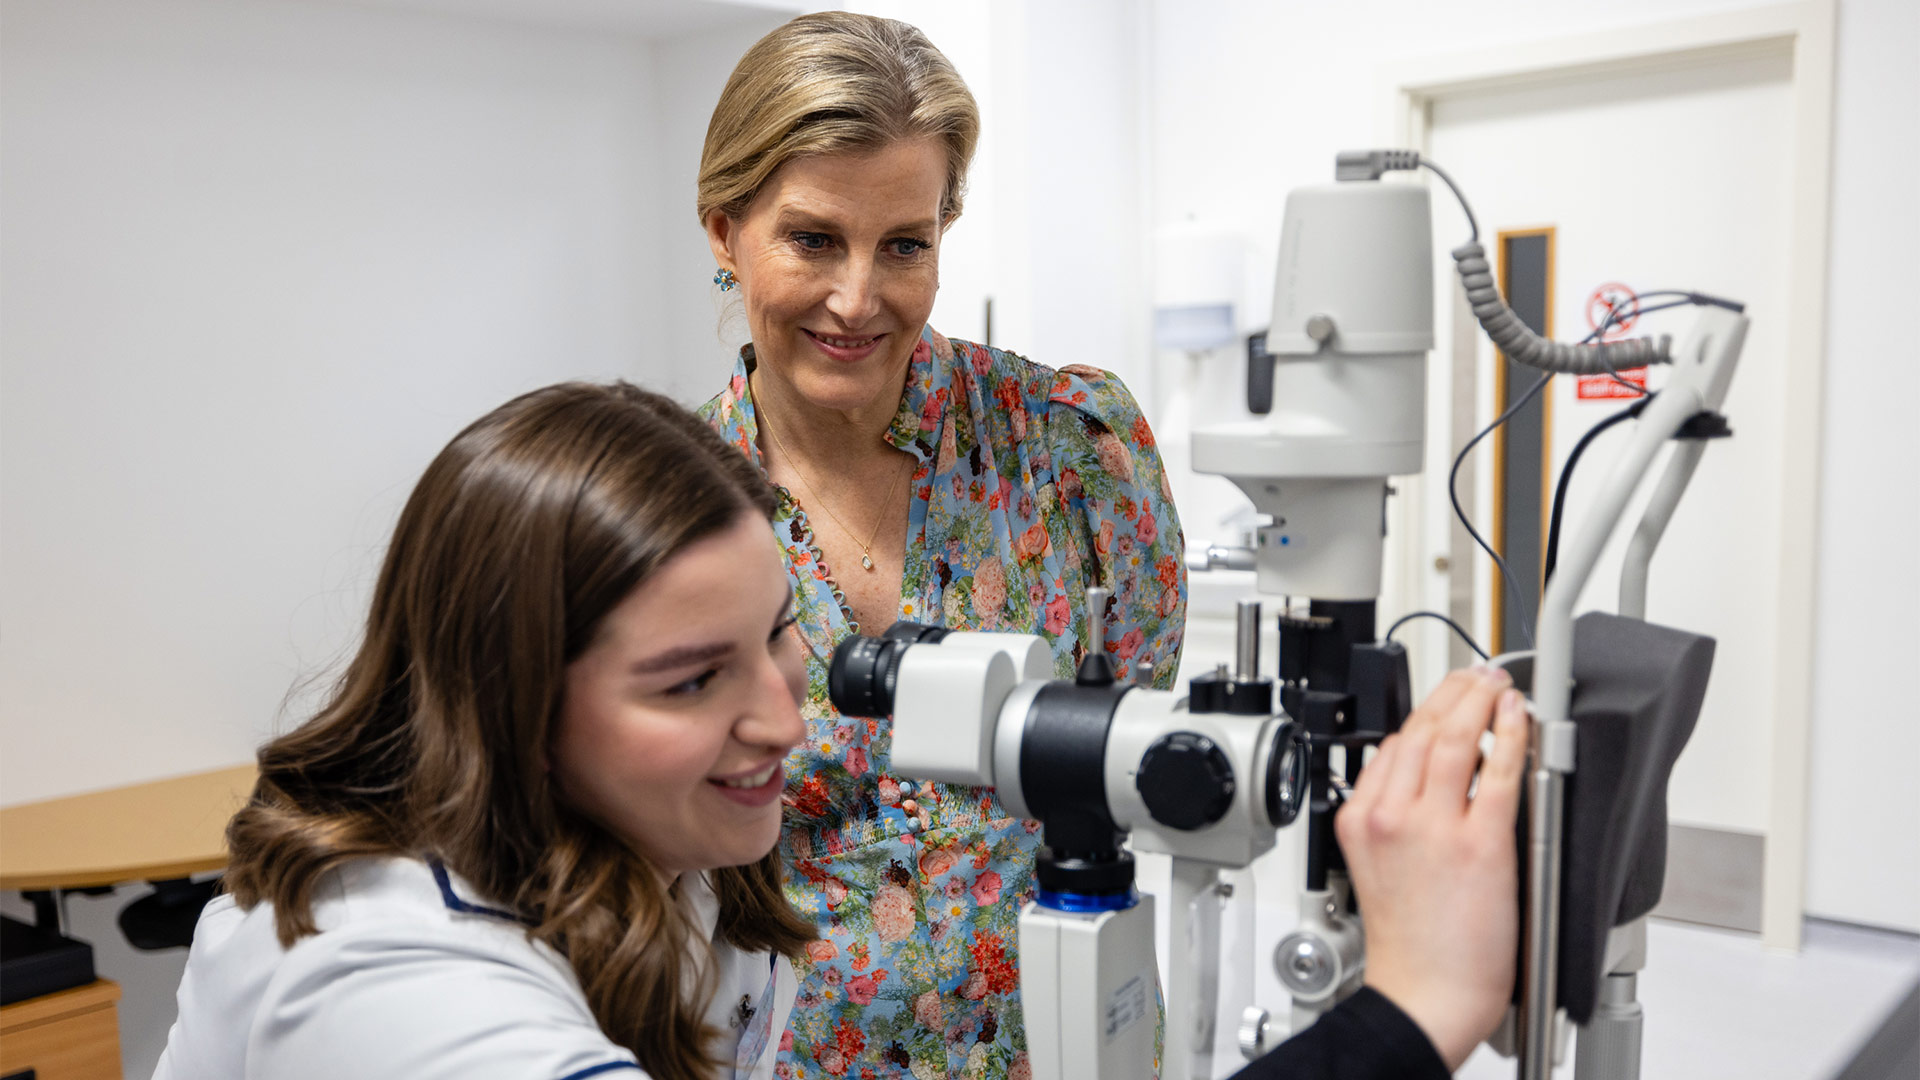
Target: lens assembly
1288,782
861,679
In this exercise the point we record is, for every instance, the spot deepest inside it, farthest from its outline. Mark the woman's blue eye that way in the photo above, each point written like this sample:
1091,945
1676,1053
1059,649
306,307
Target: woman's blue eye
906,247
812,241
694,685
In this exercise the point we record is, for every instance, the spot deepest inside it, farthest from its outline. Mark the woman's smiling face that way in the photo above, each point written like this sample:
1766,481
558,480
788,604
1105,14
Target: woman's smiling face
838,261
679,714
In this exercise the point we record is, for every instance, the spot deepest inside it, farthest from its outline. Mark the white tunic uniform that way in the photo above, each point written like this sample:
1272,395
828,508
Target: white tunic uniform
413,976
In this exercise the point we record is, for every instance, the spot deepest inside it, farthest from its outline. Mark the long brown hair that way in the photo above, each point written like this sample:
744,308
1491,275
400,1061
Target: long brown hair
832,82
532,525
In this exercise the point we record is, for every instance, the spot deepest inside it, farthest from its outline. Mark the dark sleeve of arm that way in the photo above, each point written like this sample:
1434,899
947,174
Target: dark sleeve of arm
1363,1038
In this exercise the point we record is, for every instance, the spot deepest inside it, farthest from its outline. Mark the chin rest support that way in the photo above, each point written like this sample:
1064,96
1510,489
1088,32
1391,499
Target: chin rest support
1637,693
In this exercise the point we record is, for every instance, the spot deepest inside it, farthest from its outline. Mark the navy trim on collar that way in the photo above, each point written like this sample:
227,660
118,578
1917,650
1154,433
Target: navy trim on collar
596,1070
454,903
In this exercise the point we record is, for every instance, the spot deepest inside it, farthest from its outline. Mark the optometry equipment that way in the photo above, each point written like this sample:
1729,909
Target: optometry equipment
1207,777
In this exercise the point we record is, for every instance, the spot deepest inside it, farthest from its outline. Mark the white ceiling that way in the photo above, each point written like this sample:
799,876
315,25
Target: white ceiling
645,18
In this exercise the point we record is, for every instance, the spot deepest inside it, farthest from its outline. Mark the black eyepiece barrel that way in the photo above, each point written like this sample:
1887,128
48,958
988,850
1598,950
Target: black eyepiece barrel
861,679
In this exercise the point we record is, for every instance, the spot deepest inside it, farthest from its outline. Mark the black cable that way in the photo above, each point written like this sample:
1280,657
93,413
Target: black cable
1690,300
1457,628
1453,493
1566,476
1453,478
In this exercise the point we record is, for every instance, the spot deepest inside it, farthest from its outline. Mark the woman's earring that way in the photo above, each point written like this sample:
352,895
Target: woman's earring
724,278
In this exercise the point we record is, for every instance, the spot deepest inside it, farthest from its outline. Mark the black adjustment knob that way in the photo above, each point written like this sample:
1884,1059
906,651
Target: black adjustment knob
1208,693
1186,781
1218,693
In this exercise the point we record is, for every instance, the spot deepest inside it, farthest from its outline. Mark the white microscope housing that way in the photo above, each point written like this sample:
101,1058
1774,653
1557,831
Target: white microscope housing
1352,324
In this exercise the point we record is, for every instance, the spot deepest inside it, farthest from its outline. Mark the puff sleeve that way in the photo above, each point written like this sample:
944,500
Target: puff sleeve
1114,488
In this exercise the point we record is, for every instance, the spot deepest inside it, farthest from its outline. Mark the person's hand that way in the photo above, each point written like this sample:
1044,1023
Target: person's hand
1436,873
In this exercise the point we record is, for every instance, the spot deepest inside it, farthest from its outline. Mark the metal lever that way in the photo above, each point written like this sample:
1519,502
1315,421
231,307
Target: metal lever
1247,642
1097,598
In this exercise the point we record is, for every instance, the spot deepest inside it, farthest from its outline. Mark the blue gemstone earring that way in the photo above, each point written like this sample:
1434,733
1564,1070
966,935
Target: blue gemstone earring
724,278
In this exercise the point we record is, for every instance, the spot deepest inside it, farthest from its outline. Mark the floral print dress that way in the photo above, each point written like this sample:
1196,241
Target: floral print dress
1032,484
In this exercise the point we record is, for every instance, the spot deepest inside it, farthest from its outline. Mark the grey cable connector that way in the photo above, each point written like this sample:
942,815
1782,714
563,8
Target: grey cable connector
1370,164
1512,336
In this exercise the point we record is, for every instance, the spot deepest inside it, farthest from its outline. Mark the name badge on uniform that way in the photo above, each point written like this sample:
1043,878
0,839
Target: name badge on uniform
753,1019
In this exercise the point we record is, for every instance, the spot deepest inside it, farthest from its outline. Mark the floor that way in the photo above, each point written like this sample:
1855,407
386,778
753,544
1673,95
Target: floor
1718,1004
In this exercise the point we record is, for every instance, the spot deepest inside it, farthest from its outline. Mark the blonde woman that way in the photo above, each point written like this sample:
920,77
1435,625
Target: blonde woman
918,477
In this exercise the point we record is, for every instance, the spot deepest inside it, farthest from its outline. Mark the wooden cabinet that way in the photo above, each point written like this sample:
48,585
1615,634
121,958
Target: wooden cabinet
163,829
71,1035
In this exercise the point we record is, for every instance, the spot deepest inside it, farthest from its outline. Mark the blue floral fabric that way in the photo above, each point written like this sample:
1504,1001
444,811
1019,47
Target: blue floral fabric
1032,484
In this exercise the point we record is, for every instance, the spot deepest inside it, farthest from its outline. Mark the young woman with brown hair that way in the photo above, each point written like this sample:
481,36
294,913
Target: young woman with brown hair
531,833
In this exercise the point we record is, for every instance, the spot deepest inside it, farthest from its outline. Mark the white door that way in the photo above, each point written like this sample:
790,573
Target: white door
1675,179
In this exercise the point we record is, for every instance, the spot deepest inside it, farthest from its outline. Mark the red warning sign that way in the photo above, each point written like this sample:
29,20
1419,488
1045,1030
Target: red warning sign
1616,307
1599,387
1616,302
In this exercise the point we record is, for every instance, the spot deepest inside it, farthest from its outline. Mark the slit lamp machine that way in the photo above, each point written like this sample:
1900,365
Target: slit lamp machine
1207,776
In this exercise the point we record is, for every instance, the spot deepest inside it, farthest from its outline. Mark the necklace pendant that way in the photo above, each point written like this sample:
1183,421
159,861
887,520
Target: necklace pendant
866,560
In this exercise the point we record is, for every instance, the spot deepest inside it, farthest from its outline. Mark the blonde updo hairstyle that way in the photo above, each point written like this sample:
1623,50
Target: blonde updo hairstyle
833,82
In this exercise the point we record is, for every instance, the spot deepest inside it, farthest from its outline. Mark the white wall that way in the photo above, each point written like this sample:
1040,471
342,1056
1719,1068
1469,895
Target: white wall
704,327
1054,224
261,260
972,266
1252,98
1863,861
1073,101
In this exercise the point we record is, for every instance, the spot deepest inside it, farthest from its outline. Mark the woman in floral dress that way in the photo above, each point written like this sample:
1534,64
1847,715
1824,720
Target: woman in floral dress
918,478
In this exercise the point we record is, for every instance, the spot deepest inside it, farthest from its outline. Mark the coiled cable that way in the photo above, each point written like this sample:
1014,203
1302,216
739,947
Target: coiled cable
1522,345
1512,336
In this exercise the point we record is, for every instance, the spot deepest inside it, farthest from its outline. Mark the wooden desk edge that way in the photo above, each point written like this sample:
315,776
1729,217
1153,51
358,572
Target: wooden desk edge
193,811
111,875
97,994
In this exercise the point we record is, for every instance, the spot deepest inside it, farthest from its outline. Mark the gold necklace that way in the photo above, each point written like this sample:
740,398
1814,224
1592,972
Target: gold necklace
866,549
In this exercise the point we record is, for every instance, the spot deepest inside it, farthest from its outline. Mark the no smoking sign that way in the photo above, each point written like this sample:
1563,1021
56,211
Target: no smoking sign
1616,301
1616,307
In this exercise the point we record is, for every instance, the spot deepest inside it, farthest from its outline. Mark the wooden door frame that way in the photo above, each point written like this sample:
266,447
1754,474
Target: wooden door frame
1496,588
1805,32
